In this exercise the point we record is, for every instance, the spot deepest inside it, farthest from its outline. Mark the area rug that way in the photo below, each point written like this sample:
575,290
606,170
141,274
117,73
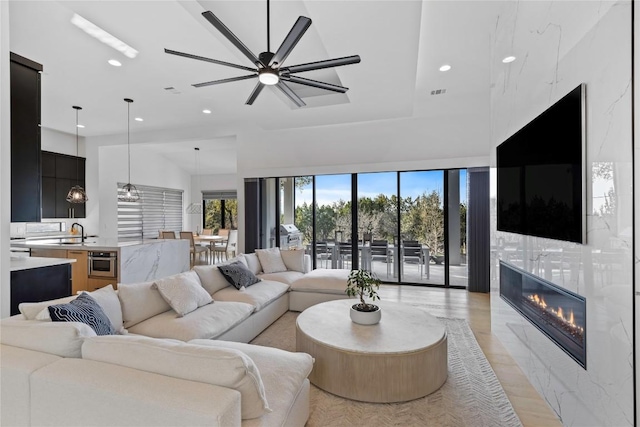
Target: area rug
472,395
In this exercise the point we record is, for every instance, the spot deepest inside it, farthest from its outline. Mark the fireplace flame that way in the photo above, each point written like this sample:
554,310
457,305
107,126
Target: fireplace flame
568,320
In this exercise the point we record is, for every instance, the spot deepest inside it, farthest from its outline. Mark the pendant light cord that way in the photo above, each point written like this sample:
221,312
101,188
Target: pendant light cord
128,143
268,29
77,180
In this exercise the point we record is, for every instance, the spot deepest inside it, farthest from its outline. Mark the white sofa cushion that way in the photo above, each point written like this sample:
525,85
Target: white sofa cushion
253,263
183,292
30,310
287,277
211,278
106,297
283,374
271,260
63,339
219,366
139,302
330,281
206,322
259,295
293,259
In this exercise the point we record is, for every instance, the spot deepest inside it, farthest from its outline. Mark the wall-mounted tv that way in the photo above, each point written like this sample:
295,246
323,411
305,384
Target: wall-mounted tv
541,174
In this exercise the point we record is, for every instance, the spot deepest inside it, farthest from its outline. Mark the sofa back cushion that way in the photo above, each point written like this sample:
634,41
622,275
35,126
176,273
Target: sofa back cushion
211,278
293,259
253,263
271,260
63,339
223,367
140,302
30,310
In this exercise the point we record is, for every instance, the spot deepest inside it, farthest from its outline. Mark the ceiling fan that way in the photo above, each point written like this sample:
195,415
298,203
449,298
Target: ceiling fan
268,65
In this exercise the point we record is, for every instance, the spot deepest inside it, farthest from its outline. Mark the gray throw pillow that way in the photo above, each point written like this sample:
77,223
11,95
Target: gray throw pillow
238,274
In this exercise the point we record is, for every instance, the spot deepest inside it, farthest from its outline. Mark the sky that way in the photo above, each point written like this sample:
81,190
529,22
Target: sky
331,188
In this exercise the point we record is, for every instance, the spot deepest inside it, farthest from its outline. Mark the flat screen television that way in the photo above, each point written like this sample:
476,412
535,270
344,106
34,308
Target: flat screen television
541,174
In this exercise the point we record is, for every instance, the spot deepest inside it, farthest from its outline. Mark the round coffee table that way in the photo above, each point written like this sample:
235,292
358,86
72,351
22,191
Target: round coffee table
402,358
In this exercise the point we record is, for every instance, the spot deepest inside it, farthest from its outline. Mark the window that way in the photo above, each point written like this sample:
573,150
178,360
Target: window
220,210
158,209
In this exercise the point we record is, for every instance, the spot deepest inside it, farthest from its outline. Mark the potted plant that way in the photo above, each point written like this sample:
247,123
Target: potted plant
363,283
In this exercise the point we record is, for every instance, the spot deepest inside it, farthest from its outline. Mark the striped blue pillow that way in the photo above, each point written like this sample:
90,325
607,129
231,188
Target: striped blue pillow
83,309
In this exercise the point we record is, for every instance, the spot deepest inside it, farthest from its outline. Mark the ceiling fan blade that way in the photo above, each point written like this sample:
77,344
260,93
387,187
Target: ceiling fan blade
202,58
290,94
213,19
328,63
232,79
315,83
254,94
292,39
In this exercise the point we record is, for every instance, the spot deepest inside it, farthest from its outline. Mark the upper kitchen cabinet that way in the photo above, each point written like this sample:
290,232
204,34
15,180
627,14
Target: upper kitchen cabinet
59,173
25,140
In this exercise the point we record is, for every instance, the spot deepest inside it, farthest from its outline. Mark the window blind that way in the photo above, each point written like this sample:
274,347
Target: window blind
219,194
158,209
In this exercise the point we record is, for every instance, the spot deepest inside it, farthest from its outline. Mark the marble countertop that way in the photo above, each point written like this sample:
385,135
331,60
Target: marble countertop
90,243
27,263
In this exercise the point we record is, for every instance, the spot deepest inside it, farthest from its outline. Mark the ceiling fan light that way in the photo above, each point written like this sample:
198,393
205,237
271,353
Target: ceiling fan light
268,77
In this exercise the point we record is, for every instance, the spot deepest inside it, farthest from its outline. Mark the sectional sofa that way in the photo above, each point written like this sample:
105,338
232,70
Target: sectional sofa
167,366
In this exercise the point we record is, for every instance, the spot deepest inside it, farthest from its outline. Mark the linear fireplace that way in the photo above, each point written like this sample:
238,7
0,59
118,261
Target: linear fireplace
559,314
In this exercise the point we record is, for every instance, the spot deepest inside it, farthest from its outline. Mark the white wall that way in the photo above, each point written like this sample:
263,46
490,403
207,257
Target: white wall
560,45
636,191
5,162
146,169
61,142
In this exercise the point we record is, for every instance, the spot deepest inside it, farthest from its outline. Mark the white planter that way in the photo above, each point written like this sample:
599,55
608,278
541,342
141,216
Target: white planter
366,317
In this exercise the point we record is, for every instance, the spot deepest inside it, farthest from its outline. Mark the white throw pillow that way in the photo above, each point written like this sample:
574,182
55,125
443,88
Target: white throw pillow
211,278
140,302
271,260
253,263
229,368
107,299
183,292
293,259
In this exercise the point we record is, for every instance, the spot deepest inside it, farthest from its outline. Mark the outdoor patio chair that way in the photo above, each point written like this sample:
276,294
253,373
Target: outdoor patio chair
412,250
380,251
344,254
323,253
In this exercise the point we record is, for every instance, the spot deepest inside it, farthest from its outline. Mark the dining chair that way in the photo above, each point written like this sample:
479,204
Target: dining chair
412,250
167,234
207,232
228,248
223,232
193,248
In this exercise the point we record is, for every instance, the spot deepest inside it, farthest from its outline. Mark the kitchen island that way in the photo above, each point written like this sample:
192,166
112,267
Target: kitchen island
35,279
103,261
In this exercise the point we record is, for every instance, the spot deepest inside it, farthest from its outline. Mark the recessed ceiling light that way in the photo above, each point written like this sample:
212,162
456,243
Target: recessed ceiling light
445,67
139,119
94,31
80,126
114,62
206,111
509,59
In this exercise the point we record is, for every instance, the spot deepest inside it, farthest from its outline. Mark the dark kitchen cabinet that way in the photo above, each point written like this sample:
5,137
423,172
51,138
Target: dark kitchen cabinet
25,140
39,284
59,173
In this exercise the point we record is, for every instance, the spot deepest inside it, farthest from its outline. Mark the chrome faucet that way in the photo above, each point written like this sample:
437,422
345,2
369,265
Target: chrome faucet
81,230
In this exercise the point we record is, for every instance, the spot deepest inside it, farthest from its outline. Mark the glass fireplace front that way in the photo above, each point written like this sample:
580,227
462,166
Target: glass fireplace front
559,314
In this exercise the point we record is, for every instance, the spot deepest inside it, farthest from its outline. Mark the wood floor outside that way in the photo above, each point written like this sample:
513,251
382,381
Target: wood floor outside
476,308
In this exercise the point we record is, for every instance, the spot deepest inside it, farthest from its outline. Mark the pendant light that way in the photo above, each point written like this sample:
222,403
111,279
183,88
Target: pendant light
128,192
77,194
196,207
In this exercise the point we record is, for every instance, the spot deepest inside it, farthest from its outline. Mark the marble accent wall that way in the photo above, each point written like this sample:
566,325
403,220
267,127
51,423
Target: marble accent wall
153,260
559,45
